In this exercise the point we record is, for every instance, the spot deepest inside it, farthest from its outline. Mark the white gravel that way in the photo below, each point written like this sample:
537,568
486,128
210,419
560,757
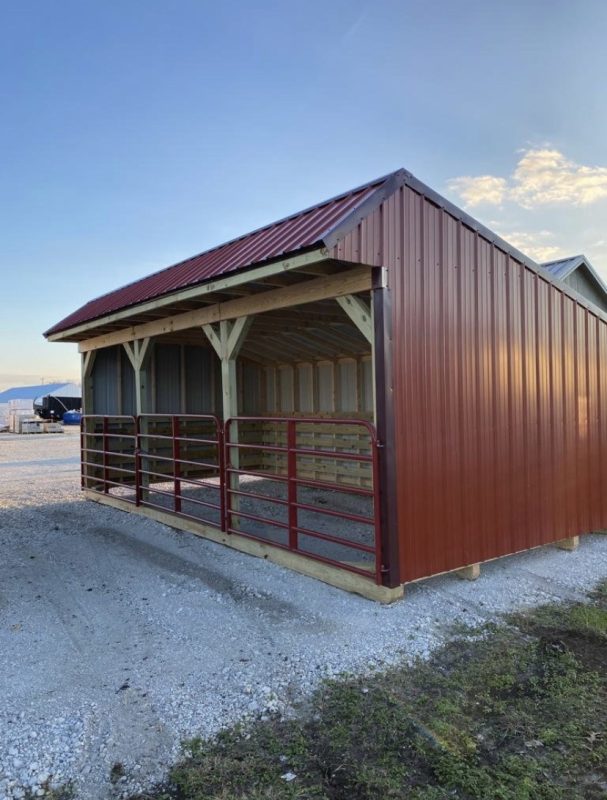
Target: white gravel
119,636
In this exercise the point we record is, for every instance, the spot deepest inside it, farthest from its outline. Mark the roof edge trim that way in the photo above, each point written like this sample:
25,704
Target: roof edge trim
391,183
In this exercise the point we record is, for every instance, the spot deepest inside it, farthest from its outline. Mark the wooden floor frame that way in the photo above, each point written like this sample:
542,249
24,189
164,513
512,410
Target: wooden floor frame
340,578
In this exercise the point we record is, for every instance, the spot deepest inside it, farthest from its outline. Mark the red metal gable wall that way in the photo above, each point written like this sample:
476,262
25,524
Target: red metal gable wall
500,400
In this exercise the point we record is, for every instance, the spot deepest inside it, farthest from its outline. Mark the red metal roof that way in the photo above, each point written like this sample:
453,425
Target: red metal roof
289,235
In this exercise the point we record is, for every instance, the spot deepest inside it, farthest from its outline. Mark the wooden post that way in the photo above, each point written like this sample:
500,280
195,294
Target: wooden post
227,343
87,407
138,352
88,360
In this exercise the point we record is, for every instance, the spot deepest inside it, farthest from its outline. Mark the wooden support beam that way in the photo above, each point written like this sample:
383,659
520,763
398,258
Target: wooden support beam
130,351
360,314
236,335
571,543
138,352
227,344
350,281
214,339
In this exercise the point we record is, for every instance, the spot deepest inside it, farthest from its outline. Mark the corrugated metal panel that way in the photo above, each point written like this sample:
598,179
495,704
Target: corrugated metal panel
270,396
285,383
251,376
167,378
297,232
200,368
326,388
348,389
500,402
128,403
578,272
105,381
305,383
581,282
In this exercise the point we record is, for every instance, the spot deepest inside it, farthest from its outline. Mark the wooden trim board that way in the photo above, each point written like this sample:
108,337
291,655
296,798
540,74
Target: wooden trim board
341,579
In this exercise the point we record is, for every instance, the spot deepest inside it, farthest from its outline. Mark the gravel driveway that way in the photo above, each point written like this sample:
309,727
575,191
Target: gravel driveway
119,636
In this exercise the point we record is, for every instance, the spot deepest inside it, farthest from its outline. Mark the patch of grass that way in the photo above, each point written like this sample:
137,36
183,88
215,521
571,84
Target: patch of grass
65,792
519,713
116,772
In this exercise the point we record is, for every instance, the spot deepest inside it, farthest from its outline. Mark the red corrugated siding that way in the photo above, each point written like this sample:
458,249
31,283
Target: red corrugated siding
290,235
499,398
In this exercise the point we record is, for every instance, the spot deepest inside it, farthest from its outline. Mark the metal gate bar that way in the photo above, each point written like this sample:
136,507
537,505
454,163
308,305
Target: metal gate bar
153,452
177,442
96,433
291,453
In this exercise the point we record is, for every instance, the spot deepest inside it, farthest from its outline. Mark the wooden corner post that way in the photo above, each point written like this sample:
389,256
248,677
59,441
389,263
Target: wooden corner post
88,360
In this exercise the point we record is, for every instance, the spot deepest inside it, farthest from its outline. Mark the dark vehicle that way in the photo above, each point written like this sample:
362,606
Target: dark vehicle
53,407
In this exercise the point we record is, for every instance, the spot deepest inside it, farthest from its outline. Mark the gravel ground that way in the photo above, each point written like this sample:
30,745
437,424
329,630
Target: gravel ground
119,636
340,501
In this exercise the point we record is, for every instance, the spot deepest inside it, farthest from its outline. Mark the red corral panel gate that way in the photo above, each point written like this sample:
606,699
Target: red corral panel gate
309,486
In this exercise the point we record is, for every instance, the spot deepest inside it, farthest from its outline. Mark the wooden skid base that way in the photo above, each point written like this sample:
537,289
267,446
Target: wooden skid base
572,543
473,571
342,579
469,573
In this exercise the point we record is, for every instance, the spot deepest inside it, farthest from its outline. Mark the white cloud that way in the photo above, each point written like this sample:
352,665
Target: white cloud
479,190
538,246
542,176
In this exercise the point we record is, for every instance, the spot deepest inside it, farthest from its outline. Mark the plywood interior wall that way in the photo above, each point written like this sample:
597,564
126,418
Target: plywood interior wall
340,388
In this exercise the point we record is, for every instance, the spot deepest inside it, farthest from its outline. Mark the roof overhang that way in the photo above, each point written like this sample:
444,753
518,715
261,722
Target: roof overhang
200,294
342,279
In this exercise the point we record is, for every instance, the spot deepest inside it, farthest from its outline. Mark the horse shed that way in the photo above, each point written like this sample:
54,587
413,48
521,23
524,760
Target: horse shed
372,391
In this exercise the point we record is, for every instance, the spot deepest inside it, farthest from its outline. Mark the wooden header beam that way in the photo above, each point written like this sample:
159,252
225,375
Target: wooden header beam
354,280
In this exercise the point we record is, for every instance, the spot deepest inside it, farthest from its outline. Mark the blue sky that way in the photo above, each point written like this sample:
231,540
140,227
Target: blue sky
137,133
